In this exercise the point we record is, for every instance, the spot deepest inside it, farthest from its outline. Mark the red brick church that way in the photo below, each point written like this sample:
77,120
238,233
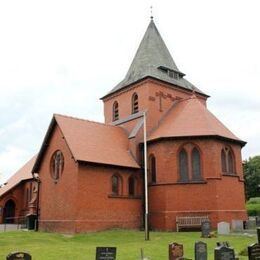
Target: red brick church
91,175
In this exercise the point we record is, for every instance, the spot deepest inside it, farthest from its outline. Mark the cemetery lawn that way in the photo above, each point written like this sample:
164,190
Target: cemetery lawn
44,246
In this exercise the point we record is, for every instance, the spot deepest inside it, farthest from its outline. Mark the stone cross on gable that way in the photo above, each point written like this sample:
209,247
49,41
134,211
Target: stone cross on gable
162,96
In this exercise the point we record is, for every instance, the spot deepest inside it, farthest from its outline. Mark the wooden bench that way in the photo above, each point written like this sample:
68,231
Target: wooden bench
189,221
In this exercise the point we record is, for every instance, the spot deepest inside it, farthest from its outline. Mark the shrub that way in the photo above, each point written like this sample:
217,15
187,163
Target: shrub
253,209
255,200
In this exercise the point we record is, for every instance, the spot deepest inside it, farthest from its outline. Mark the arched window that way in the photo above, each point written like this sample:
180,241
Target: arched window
115,111
132,186
230,162
227,161
116,185
152,169
183,166
223,161
196,171
57,165
135,107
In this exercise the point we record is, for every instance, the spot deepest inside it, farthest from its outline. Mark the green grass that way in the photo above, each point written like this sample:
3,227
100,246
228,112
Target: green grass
43,246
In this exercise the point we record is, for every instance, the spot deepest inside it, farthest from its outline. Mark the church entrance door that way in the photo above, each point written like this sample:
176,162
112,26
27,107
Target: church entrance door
9,211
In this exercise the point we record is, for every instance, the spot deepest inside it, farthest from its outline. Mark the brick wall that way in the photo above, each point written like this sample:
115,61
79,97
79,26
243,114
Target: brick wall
221,197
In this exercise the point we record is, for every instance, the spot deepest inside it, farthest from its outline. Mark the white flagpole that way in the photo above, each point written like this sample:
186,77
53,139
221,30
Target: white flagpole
145,181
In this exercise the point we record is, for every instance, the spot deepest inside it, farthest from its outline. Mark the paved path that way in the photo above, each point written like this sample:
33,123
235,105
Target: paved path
9,227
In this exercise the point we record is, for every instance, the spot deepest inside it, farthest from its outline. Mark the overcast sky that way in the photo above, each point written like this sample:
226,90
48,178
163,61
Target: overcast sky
62,56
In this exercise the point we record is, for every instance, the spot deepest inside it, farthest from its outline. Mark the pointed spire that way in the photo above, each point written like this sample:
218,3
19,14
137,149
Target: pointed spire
153,59
151,8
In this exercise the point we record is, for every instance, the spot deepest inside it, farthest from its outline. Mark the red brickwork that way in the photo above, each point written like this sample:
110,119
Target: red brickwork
81,200
219,196
24,197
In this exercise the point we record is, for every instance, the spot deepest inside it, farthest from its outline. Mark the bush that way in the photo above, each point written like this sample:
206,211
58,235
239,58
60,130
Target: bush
253,209
255,200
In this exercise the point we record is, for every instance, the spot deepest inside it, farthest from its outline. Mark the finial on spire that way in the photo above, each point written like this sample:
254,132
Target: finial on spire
151,9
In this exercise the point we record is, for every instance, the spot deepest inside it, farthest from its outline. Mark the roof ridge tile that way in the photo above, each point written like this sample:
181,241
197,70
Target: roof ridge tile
85,120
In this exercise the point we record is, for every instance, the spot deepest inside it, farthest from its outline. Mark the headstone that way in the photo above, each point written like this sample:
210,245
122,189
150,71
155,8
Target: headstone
201,251
205,229
254,252
258,235
237,225
224,253
106,253
251,223
257,221
19,256
175,251
223,228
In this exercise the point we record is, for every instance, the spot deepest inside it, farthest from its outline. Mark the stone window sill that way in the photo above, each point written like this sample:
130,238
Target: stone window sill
112,196
230,175
192,182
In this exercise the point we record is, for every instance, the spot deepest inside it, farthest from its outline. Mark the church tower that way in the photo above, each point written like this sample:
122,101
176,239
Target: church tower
194,161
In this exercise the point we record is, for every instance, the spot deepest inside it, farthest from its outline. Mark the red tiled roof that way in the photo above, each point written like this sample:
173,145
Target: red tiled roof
96,142
189,118
23,174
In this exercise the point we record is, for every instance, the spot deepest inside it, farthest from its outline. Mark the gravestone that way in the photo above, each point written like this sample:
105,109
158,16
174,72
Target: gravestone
19,256
251,223
237,225
257,221
258,235
175,251
223,228
201,251
106,253
224,253
205,228
254,252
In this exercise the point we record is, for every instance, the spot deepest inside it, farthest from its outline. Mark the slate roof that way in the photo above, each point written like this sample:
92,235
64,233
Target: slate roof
21,175
151,60
190,118
92,142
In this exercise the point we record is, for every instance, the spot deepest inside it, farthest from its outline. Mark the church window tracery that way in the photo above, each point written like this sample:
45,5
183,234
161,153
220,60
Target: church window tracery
57,165
189,164
227,161
116,184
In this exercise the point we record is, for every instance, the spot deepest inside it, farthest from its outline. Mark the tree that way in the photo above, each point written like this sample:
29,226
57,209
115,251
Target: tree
252,176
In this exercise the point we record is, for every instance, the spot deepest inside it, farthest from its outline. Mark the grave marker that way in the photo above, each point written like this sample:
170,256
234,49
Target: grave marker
201,251
205,229
19,256
257,221
106,253
224,253
223,228
175,251
237,225
254,250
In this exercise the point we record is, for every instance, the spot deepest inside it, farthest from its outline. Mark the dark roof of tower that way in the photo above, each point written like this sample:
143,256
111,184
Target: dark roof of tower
153,59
